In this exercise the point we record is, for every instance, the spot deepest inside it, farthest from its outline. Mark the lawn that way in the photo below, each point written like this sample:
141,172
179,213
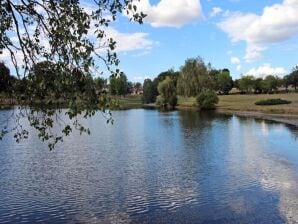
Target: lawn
129,101
247,103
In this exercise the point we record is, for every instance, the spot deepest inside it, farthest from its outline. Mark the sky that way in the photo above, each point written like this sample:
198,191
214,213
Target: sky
248,37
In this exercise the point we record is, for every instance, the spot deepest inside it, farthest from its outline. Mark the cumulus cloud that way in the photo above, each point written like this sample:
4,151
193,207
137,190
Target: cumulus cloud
130,41
277,23
138,43
215,11
267,69
235,60
169,13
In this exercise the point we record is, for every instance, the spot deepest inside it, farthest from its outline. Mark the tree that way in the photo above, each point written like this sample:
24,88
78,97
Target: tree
258,85
246,83
270,84
287,81
118,85
167,91
42,81
72,37
121,85
169,73
129,87
112,85
194,77
5,78
293,77
224,81
148,91
207,99
189,82
100,84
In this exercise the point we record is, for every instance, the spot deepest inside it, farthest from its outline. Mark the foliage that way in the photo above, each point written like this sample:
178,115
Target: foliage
118,85
167,91
6,80
148,91
224,81
272,102
68,37
169,73
207,100
100,84
293,78
269,84
193,77
258,85
246,83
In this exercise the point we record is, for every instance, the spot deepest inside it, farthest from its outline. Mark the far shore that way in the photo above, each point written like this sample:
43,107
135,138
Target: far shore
283,118
239,105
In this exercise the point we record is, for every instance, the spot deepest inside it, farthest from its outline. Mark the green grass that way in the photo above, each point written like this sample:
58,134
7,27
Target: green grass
247,103
129,101
187,101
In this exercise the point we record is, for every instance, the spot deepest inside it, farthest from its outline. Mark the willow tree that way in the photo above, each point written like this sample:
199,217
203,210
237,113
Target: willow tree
193,77
71,36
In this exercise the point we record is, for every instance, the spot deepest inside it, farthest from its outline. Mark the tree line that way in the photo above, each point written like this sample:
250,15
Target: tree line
197,79
45,80
269,84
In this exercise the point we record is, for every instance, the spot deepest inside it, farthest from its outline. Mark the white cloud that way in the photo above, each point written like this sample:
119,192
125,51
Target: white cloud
6,58
137,42
267,69
277,23
169,13
130,41
235,60
215,11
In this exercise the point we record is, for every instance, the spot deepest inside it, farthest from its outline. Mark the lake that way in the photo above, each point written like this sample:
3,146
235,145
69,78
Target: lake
154,167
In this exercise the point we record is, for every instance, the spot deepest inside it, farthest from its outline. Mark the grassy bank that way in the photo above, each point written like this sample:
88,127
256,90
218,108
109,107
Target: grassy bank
228,103
247,103
129,101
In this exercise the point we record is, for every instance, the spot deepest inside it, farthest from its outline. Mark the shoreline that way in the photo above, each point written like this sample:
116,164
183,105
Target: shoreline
290,119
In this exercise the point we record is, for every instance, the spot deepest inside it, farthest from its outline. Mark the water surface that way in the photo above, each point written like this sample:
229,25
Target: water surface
155,167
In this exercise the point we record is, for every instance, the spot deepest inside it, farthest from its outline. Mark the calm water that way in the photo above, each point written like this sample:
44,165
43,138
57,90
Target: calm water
153,167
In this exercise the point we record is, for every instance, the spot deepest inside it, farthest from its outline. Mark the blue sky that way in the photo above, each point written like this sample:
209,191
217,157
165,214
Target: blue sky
248,37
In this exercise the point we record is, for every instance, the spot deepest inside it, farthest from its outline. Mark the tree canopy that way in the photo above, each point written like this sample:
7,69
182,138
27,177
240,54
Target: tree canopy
149,95
69,37
167,91
224,81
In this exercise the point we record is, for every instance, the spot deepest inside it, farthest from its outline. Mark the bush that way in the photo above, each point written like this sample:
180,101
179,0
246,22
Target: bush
160,101
207,99
272,102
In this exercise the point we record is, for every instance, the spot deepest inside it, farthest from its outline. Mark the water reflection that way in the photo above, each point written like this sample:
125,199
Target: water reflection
152,167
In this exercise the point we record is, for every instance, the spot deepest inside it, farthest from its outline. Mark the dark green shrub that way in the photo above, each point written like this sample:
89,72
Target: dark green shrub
272,102
207,99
